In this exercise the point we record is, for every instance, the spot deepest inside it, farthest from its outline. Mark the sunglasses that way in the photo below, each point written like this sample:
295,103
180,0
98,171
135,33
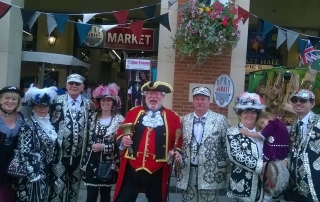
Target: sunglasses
295,100
74,83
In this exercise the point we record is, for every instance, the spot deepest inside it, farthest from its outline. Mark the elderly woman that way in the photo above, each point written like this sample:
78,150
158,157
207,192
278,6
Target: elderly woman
101,146
10,122
36,143
245,153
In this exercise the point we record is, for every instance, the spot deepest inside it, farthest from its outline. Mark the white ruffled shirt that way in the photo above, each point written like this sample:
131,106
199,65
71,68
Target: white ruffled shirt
153,122
46,125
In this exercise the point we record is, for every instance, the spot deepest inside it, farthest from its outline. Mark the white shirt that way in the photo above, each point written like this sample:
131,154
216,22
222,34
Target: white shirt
198,132
105,122
78,102
258,142
305,124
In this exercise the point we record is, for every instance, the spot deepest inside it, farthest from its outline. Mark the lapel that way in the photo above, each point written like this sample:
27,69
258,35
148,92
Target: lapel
209,126
188,127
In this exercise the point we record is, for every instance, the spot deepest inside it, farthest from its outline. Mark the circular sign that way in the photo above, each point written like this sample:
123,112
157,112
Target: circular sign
94,37
223,91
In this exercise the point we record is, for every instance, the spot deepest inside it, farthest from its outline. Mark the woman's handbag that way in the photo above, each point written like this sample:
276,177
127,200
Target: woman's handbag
19,169
16,168
105,172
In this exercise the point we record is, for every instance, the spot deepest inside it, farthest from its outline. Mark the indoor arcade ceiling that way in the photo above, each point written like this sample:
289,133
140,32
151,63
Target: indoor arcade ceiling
92,6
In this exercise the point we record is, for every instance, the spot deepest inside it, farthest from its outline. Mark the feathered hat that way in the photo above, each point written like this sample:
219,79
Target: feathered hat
43,97
110,91
249,102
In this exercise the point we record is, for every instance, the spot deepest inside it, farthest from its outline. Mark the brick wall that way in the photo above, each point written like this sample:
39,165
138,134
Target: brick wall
207,73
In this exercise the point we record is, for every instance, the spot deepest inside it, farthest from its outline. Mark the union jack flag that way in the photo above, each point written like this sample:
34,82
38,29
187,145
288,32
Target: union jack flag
309,55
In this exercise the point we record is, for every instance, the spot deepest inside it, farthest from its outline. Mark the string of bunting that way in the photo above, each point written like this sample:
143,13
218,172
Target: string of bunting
60,20
264,27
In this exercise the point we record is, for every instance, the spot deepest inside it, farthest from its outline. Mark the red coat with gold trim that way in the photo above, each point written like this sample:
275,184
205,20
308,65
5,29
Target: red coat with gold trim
150,145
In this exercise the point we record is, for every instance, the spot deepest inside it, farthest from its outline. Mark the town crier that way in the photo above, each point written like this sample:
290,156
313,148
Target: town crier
152,142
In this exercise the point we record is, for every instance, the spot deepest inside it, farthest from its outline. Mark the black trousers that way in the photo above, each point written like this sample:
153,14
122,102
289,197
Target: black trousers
135,181
93,192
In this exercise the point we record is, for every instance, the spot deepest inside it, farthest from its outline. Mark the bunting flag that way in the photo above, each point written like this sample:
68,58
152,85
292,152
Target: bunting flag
136,29
107,27
171,2
267,27
4,8
243,14
61,20
149,11
29,17
291,38
164,20
121,17
301,45
314,41
87,17
260,26
51,24
83,30
281,37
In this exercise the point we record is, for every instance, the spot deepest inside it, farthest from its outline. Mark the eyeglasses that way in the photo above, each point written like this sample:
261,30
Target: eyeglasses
74,83
295,100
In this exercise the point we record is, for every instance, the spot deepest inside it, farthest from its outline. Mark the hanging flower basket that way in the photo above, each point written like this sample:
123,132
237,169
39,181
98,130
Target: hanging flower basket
206,30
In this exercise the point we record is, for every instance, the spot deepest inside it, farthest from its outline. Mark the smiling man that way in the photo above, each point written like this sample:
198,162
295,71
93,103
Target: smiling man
155,126
69,116
203,150
304,157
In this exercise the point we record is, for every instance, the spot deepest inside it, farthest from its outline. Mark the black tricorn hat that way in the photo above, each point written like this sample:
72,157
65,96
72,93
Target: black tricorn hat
12,89
157,86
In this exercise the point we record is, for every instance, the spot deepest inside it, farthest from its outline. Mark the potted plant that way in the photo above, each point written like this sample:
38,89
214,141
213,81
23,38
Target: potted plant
206,30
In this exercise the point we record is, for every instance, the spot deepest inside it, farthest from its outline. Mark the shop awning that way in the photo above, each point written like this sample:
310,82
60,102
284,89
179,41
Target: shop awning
52,58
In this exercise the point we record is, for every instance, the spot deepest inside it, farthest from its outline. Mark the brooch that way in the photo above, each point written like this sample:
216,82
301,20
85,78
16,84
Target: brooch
271,139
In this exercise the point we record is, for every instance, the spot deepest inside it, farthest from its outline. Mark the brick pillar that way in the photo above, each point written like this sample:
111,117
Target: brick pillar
207,73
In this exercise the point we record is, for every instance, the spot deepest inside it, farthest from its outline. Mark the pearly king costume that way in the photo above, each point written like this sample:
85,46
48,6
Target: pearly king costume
70,119
153,137
304,156
204,167
245,154
37,138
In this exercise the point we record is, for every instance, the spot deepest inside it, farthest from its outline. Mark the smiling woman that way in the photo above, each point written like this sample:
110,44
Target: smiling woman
10,123
245,153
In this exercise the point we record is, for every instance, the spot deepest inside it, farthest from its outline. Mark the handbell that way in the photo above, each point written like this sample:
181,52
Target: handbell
127,129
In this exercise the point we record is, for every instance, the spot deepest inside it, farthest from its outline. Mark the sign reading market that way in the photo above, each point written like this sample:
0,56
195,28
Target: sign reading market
223,91
117,38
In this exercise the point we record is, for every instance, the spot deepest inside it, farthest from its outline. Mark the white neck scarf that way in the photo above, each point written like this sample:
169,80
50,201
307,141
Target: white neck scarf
46,125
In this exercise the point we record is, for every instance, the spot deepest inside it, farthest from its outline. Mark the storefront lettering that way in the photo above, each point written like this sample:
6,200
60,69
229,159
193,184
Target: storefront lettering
260,61
128,38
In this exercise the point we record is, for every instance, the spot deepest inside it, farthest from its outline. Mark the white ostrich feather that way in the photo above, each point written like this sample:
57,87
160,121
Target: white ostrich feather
34,91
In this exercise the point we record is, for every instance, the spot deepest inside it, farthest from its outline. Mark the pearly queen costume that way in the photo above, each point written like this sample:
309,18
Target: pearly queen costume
304,156
37,138
147,170
103,131
245,154
70,119
204,167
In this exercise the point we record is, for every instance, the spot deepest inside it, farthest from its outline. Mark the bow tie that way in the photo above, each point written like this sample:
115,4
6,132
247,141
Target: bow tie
201,120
